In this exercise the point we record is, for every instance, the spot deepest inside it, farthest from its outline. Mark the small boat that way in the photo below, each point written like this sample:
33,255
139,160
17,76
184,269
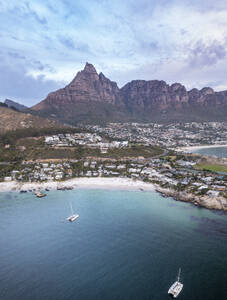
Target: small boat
39,194
73,217
176,287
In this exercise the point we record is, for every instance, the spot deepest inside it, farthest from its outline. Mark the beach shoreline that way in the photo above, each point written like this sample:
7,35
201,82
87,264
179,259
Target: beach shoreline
115,184
111,183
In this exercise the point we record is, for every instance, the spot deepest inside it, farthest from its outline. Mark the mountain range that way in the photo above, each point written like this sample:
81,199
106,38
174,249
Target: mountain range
93,98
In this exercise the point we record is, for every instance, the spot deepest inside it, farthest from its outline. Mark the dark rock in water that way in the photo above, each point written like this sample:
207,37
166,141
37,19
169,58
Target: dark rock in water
69,188
64,188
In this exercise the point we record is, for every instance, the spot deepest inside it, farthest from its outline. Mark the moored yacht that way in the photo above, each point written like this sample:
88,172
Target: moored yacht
176,287
73,217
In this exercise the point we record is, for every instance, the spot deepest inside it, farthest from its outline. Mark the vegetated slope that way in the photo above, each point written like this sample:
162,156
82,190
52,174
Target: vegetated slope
12,120
93,98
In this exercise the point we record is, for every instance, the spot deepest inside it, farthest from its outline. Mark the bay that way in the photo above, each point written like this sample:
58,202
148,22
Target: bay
220,152
125,245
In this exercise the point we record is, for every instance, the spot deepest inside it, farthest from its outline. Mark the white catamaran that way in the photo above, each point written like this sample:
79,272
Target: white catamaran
73,217
176,288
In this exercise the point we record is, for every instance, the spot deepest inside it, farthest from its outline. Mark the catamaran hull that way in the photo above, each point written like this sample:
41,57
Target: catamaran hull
72,218
175,289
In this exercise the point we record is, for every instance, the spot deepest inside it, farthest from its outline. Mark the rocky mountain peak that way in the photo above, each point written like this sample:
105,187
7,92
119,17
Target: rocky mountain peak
84,78
86,87
89,68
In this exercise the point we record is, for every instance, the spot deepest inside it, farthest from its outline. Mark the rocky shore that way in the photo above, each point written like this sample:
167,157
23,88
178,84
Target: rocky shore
217,203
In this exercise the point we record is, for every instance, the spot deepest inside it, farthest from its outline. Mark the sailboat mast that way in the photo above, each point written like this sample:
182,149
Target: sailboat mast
71,208
178,278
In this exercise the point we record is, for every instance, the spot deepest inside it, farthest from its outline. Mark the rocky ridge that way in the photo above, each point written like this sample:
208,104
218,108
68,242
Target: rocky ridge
93,97
13,104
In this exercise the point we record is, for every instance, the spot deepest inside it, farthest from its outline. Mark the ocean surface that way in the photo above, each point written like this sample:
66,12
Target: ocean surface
125,245
217,151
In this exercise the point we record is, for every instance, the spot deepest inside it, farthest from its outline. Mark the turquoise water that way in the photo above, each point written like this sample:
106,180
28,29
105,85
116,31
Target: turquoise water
125,245
217,151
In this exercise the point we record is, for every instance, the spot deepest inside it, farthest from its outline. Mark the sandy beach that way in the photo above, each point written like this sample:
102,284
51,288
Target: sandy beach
114,183
194,148
80,183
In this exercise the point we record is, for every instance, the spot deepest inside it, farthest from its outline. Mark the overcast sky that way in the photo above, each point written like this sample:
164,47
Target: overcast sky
44,43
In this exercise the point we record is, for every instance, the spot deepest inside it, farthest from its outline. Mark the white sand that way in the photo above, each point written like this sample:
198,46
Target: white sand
194,148
81,183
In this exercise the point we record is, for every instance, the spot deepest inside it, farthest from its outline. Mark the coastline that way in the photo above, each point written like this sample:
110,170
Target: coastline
113,183
191,149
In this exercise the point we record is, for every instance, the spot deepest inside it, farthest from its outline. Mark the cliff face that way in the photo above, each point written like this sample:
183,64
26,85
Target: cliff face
91,97
159,95
154,95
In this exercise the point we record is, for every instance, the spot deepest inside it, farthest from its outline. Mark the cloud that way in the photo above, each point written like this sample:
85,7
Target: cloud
16,55
17,84
202,55
178,40
67,42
